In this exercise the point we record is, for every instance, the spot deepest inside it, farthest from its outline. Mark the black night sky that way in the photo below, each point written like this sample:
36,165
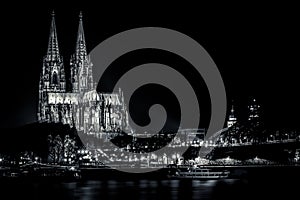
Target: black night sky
256,51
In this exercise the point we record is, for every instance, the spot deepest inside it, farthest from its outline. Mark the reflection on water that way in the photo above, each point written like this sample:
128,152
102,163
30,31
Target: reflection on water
146,189
115,189
141,189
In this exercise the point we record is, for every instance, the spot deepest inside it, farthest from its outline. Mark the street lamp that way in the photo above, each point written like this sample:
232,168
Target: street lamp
272,137
287,136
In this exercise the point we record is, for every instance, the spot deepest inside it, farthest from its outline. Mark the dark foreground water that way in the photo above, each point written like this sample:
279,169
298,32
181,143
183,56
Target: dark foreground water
250,183
151,189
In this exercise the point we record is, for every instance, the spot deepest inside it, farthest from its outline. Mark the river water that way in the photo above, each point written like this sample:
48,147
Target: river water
149,189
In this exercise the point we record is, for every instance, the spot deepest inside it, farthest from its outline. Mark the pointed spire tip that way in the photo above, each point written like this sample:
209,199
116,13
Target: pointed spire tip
52,13
80,15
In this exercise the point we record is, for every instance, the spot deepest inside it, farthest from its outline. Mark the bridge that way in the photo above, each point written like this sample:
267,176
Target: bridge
251,139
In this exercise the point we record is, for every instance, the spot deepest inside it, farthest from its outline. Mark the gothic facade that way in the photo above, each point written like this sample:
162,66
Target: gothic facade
82,106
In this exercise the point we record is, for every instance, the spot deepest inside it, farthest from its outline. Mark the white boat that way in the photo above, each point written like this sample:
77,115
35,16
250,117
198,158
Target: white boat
197,173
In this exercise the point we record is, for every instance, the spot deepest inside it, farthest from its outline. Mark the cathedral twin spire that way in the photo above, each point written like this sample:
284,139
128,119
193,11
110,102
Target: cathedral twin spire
81,52
53,71
73,105
53,49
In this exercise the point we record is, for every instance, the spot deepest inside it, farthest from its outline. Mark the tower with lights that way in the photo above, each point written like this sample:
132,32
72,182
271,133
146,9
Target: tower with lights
231,119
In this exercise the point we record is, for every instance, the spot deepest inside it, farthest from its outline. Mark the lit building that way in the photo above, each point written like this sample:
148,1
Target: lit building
82,106
253,110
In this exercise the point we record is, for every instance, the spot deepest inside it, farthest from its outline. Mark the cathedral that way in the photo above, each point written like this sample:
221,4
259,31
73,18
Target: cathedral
81,106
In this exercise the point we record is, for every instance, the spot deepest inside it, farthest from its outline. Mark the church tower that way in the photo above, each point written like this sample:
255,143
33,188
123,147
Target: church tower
53,74
52,79
81,65
231,119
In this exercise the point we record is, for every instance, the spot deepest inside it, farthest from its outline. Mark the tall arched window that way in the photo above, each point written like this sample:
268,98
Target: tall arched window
54,78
